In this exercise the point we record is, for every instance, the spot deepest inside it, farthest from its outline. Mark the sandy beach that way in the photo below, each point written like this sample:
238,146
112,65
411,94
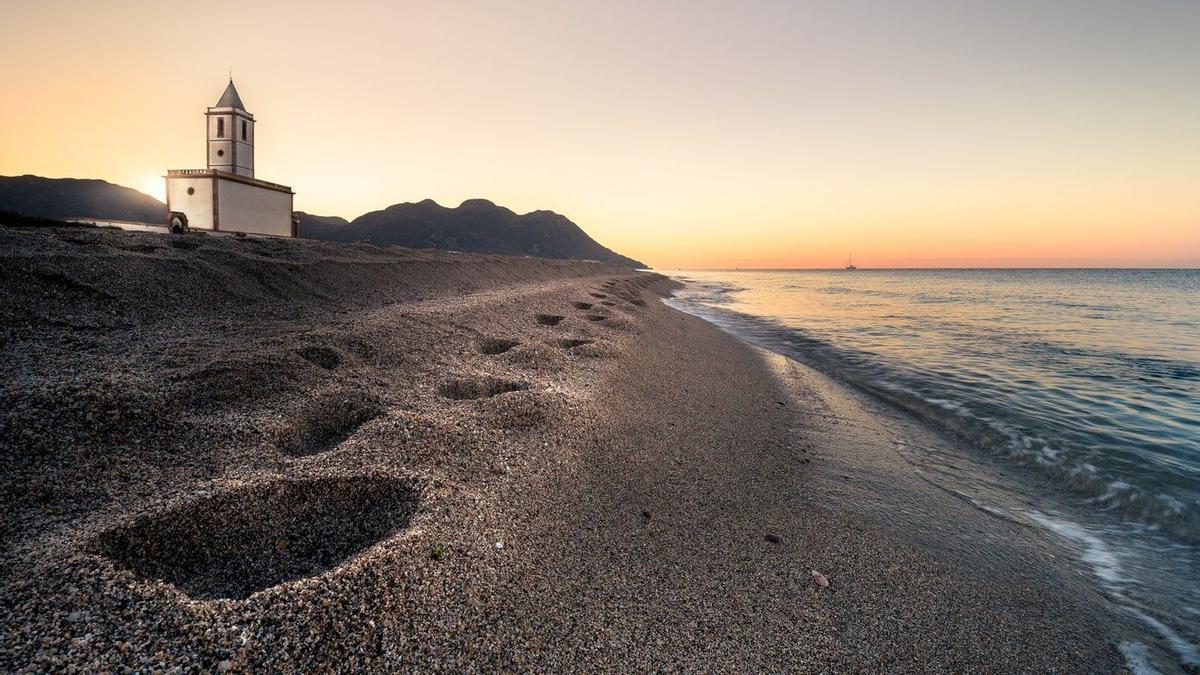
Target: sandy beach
240,454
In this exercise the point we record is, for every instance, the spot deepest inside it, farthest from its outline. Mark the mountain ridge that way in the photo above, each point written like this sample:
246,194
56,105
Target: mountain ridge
476,225
58,198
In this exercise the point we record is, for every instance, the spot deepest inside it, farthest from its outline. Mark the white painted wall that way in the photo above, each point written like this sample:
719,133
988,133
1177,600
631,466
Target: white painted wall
198,206
253,210
220,148
218,161
245,159
233,134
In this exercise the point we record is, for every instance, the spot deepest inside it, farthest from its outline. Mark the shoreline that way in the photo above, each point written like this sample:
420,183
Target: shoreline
1121,555
544,467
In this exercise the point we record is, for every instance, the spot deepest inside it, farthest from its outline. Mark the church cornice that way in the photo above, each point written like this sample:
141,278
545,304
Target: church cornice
229,111
227,175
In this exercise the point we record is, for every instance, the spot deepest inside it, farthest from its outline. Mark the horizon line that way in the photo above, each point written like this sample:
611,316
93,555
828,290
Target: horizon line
917,269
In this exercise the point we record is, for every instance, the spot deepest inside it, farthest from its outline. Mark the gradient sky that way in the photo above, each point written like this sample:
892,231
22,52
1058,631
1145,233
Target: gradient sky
686,134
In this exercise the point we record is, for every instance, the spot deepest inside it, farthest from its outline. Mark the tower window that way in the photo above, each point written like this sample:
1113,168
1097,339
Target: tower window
243,130
220,153
220,127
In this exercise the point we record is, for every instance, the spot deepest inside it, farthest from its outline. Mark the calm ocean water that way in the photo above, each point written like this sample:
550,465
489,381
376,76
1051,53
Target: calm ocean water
1085,382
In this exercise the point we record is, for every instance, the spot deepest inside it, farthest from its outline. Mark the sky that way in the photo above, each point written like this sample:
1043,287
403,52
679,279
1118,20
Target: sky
686,134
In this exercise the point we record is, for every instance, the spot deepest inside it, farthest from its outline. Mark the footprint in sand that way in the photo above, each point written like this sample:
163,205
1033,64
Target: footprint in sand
327,422
494,345
469,388
324,357
236,542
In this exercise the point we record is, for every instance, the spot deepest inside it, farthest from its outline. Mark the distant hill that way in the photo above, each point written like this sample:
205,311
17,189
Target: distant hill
476,226
77,198
324,228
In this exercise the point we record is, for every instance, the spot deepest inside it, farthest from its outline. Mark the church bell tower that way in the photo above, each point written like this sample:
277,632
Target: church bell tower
231,135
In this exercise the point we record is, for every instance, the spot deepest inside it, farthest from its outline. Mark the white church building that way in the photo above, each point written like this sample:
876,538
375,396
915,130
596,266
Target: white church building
226,197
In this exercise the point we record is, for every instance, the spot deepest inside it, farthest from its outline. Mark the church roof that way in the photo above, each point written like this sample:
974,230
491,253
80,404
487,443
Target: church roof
230,98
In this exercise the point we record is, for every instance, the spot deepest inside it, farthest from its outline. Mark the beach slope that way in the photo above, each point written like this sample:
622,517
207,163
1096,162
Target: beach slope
248,454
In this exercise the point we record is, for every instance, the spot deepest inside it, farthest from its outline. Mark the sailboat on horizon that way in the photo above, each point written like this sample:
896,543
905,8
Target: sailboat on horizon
850,262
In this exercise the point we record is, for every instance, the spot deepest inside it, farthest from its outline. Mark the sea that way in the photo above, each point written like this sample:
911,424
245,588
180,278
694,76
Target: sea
1084,382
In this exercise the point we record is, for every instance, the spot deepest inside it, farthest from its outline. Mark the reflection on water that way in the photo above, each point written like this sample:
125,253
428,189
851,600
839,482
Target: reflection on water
1088,378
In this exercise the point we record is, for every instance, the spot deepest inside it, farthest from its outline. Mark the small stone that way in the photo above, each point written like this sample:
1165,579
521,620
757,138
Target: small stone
772,537
499,545
819,579
225,666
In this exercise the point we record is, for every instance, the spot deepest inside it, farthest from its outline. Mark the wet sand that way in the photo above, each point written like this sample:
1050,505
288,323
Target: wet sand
244,454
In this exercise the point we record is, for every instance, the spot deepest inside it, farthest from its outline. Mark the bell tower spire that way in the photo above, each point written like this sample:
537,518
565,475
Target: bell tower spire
231,134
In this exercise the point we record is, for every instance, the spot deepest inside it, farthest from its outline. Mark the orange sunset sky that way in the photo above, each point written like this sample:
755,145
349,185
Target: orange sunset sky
685,134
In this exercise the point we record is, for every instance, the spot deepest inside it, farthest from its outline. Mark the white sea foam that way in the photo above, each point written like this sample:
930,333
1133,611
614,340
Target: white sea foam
1137,657
1103,561
1186,651
1105,564
998,512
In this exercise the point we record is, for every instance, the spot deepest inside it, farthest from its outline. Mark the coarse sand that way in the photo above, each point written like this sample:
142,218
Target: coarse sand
241,454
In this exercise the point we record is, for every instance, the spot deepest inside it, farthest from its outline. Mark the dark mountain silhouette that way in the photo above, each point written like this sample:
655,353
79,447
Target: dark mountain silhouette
321,227
77,198
476,226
